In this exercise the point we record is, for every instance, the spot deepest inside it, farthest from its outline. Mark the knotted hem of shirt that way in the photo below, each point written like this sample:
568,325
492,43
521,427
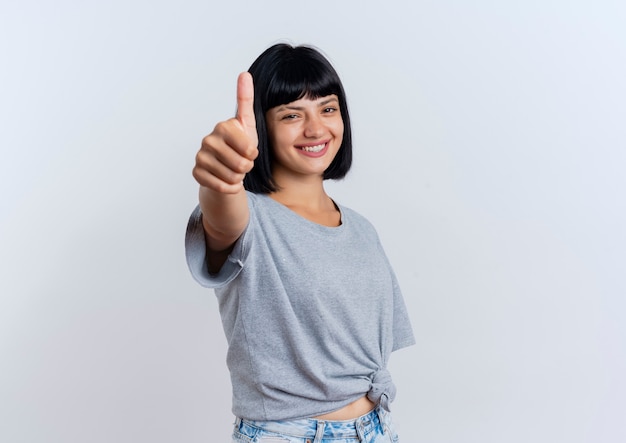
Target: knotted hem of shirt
382,390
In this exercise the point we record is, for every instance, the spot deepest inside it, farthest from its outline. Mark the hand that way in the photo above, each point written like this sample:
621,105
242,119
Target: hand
228,153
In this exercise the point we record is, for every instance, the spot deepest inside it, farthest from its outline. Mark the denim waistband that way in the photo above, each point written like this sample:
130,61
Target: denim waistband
313,428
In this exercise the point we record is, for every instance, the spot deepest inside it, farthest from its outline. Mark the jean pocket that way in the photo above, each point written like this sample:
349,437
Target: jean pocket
244,433
238,437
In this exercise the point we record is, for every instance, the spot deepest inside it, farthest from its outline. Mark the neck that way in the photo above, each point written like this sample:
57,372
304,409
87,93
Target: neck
313,197
308,199
304,191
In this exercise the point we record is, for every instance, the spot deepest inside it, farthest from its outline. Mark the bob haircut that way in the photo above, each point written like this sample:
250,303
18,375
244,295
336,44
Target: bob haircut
281,75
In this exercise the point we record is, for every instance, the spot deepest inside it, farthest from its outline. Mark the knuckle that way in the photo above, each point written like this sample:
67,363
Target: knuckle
220,187
254,153
207,139
200,157
201,176
203,159
243,165
226,188
208,145
225,127
237,178
220,127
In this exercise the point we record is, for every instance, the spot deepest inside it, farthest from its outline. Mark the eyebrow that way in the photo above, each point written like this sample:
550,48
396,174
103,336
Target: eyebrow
300,108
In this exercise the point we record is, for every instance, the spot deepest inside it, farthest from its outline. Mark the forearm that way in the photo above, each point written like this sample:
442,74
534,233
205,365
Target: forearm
224,218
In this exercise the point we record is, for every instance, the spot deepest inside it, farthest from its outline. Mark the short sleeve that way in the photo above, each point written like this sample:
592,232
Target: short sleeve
402,330
195,251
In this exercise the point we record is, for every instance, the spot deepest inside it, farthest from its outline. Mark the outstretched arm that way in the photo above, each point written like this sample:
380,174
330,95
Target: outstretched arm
226,155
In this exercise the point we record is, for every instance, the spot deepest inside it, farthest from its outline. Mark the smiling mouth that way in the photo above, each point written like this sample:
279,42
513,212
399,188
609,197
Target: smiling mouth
316,148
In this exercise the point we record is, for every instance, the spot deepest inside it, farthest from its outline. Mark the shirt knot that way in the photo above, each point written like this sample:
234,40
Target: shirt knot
382,390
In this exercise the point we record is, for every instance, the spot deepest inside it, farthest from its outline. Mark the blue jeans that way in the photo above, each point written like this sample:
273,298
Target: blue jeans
374,427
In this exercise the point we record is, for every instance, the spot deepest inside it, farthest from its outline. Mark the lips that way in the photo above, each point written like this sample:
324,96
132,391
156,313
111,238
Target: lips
315,149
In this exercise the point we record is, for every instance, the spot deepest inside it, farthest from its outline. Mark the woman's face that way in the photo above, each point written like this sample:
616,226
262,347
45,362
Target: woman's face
305,135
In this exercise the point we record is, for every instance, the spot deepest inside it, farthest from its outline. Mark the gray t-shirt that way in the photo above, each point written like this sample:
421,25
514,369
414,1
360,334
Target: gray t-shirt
311,313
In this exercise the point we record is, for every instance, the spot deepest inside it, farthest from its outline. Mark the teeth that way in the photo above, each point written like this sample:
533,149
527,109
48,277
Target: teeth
317,148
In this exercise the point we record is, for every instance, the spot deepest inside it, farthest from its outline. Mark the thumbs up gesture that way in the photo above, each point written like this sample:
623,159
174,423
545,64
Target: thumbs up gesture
228,153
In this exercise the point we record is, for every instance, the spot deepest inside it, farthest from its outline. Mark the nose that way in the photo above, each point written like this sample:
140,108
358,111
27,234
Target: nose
314,127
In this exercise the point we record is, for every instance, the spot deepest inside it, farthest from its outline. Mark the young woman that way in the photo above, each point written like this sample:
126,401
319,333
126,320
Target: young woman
310,306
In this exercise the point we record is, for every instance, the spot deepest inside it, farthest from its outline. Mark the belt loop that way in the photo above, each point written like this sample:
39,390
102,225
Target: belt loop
237,422
360,429
381,418
319,431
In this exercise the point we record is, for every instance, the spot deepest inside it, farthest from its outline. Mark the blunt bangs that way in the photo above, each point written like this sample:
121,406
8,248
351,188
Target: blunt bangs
283,74
300,78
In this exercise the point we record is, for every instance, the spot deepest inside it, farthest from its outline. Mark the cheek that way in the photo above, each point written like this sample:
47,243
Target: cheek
278,139
339,130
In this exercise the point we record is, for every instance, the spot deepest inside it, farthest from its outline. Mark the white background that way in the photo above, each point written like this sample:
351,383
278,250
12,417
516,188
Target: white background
490,154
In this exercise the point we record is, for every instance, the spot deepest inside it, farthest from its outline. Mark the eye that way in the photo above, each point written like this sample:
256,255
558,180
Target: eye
329,110
289,117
